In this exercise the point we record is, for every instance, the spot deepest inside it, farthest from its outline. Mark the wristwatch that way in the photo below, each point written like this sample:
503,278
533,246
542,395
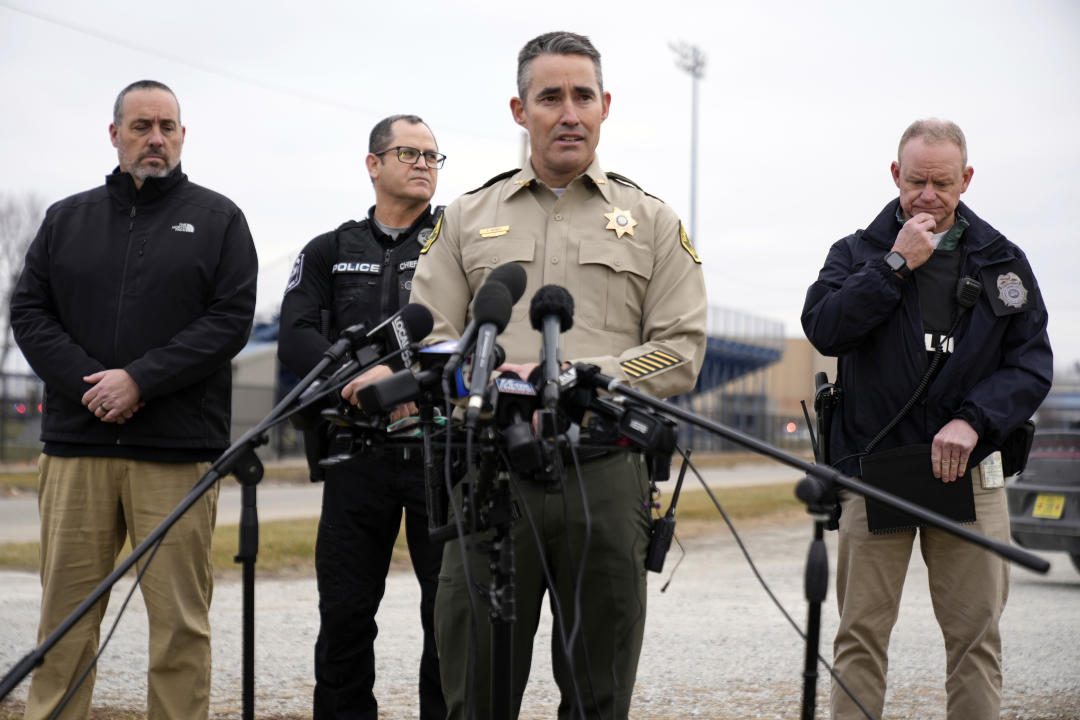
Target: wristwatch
897,264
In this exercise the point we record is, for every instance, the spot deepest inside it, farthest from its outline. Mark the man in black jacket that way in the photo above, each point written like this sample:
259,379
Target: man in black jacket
133,300
362,273
931,311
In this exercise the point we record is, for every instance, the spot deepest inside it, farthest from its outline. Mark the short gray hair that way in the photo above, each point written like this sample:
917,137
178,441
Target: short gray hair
556,43
118,106
935,130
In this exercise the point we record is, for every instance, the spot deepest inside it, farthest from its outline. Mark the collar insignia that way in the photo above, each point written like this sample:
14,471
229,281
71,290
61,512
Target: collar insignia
621,221
1011,290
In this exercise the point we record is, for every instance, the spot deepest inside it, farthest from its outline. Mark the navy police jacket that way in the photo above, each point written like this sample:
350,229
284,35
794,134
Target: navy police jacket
861,312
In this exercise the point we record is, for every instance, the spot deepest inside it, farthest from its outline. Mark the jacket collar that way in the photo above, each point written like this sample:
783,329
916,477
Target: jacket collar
122,187
883,229
526,177
382,237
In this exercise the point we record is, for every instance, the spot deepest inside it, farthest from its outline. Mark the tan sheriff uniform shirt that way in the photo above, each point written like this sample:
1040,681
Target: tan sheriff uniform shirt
637,285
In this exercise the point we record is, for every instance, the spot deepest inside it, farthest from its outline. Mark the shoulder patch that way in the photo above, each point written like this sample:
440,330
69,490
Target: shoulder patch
1009,287
684,240
296,274
649,364
433,235
492,181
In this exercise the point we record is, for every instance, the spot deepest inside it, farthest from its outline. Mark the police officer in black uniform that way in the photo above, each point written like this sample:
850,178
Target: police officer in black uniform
362,273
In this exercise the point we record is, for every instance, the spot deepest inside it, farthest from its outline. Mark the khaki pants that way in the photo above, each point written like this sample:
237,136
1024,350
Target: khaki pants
968,589
88,506
611,625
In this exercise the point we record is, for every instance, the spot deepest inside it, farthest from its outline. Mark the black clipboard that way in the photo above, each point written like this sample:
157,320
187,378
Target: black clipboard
906,472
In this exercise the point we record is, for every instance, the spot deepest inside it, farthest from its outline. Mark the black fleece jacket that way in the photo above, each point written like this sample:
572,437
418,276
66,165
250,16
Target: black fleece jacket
158,281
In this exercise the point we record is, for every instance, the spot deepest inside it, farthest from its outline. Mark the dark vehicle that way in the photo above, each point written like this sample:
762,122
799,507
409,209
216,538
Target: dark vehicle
1044,500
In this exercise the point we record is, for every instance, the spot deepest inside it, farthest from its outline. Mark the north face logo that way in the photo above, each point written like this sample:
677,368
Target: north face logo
184,227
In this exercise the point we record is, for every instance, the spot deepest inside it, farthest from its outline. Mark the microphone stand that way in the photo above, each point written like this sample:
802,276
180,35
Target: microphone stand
814,490
487,503
240,460
823,511
815,587
494,496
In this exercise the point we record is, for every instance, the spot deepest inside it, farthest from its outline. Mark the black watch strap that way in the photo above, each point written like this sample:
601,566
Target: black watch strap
898,264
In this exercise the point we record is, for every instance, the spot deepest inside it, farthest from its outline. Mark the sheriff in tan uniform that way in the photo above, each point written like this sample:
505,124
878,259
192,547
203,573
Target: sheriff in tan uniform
640,310
639,296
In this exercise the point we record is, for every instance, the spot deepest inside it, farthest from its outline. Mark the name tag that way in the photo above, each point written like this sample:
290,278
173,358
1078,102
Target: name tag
494,231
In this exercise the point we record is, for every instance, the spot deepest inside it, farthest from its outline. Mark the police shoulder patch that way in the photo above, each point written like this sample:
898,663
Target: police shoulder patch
433,235
1009,287
684,240
650,363
296,274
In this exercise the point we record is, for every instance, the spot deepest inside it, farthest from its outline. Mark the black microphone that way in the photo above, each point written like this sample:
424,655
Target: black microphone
513,401
389,342
552,313
491,317
510,276
396,333
404,386
513,277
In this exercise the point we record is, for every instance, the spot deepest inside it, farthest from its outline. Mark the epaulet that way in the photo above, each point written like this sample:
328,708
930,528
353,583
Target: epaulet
492,181
349,225
623,180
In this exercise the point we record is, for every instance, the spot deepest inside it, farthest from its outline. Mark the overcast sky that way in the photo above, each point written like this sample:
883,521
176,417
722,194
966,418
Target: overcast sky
801,109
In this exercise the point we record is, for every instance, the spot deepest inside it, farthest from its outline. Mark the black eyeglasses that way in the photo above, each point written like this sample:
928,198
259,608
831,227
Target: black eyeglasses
411,156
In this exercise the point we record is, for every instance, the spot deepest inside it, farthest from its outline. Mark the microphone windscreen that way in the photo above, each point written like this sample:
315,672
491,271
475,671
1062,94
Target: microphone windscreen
418,321
552,300
513,277
493,304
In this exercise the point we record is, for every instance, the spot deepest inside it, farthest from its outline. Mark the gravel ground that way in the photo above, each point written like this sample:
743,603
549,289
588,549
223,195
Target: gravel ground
715,646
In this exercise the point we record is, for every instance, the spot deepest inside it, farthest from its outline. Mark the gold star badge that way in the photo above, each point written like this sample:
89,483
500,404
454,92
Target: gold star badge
621,222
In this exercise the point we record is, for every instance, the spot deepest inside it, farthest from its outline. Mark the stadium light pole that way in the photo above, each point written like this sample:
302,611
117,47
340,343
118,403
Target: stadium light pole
691,59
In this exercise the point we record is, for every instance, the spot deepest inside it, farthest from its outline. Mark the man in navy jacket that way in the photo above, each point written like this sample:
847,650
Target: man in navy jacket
886,303
133,300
